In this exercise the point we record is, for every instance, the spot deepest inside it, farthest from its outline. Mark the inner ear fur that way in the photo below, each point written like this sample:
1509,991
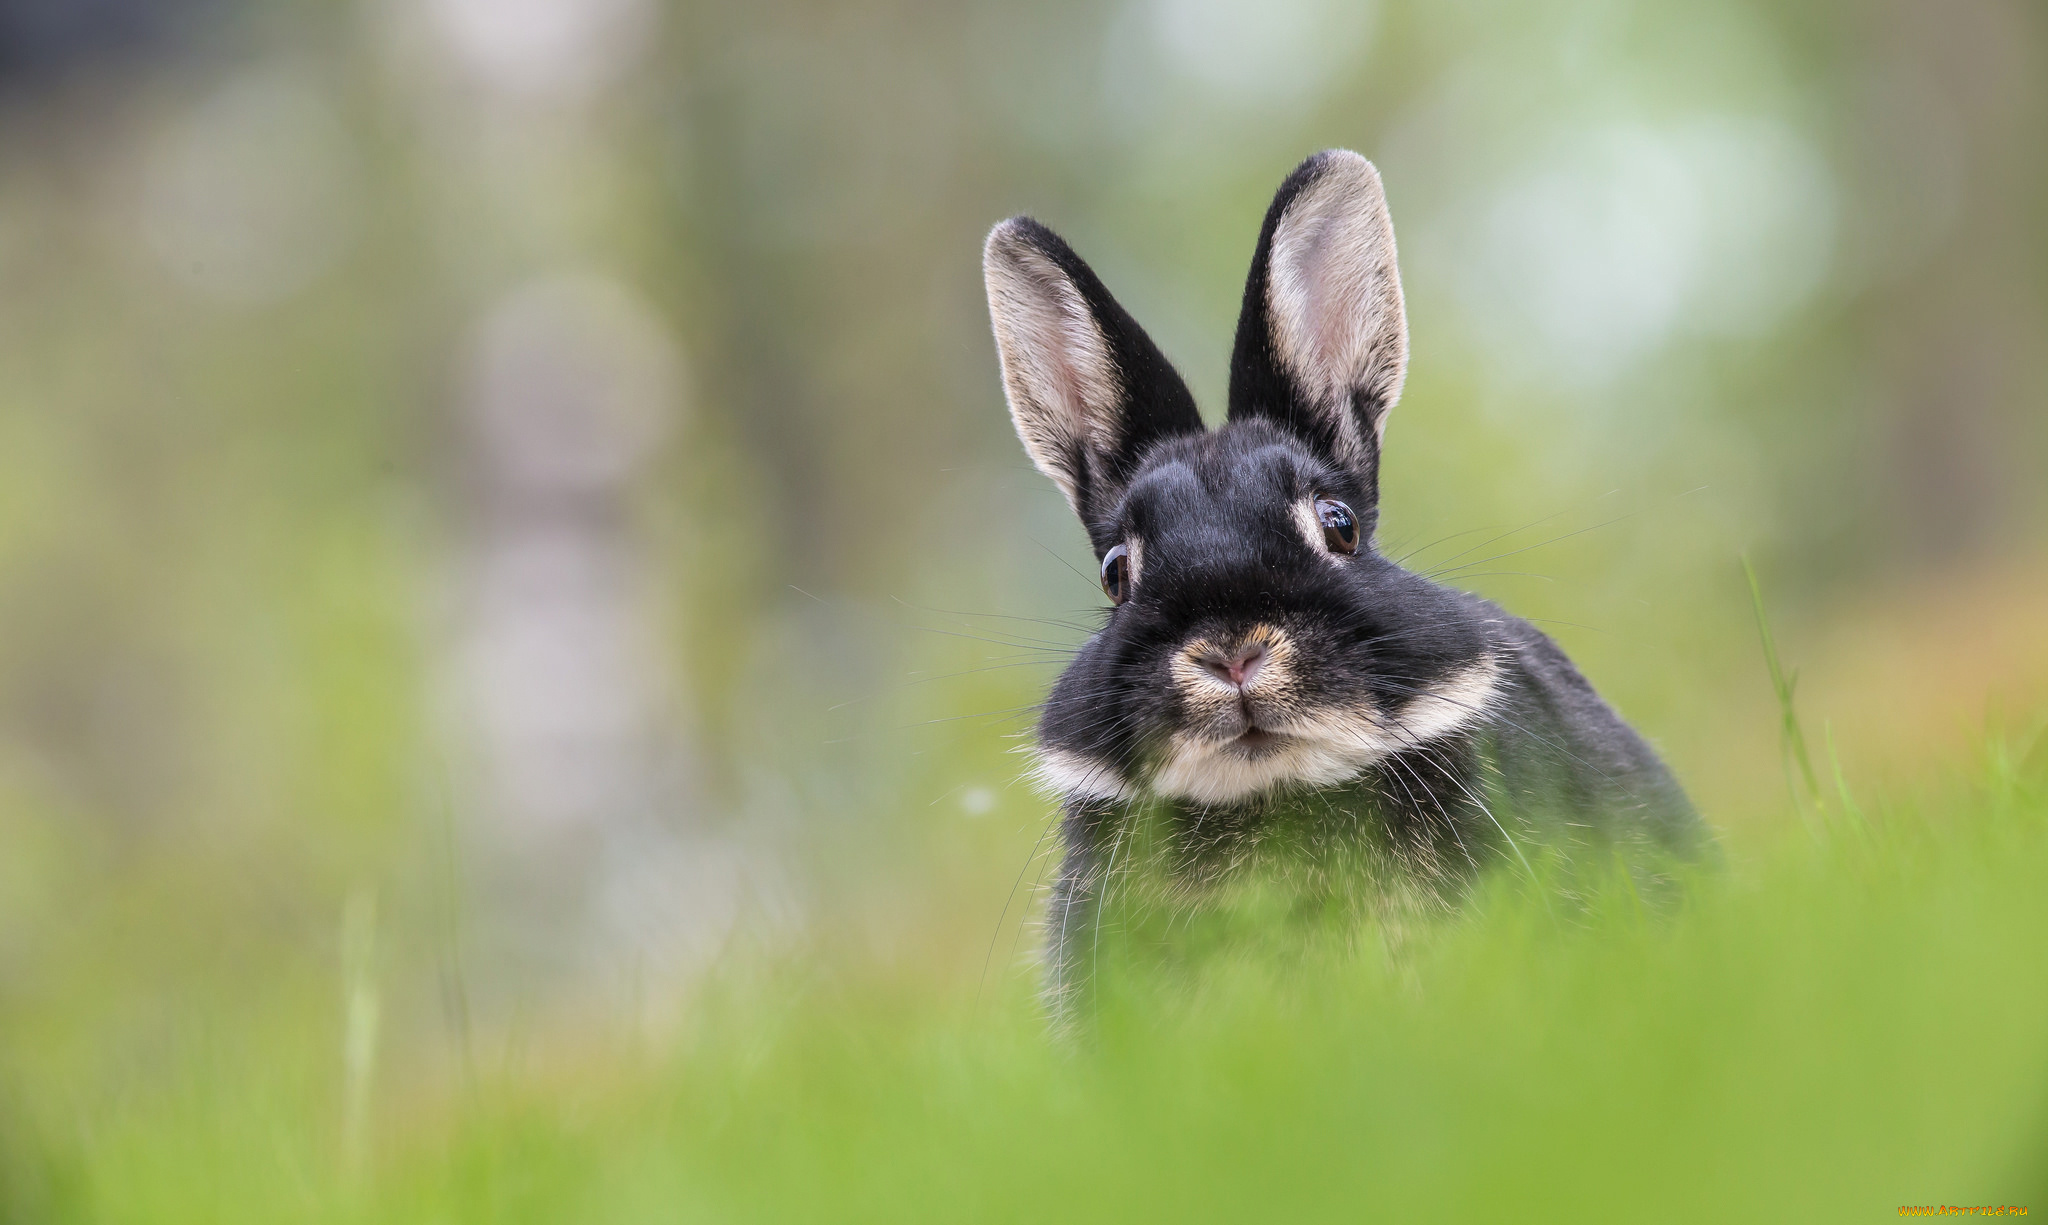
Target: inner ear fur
1088,390
1322,339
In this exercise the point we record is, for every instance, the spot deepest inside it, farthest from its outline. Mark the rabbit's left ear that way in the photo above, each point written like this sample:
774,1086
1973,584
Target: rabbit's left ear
1322,342
1089,392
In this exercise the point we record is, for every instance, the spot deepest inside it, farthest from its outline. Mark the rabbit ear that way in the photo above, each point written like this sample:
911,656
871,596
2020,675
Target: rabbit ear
1322,343
1088,390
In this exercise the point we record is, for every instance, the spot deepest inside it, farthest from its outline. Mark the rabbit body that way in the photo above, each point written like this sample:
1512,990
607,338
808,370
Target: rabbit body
1266,678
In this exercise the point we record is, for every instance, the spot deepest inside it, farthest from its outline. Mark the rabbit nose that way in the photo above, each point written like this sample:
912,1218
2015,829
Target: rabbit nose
1239,666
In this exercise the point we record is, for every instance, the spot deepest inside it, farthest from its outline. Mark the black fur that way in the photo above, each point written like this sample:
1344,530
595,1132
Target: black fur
1542,766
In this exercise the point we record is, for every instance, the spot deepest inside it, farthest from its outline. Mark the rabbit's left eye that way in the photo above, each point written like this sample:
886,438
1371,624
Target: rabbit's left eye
1340,526
1116,574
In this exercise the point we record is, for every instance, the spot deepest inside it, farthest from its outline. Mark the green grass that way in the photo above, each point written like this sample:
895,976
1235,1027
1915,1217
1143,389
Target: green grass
1839,1024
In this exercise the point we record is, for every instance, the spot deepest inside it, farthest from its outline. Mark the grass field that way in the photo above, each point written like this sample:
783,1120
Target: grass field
1849,1019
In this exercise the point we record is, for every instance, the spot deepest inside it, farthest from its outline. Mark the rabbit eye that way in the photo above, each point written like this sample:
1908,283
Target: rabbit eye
1116,574
1340,526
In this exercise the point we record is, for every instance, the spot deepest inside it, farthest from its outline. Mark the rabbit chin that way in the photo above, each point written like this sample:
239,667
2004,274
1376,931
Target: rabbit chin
1320,750
1208,771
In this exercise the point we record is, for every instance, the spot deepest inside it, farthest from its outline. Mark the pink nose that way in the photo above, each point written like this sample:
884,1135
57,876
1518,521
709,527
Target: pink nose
1239,666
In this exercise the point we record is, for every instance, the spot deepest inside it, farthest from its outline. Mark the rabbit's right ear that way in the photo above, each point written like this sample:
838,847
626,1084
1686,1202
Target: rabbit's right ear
1322,343
1088,390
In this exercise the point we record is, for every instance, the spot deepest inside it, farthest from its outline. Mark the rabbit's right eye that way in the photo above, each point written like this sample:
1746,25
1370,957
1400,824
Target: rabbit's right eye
1116,574
1340,526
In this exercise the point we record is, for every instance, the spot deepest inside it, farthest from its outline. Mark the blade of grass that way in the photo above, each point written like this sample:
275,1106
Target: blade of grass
1783,685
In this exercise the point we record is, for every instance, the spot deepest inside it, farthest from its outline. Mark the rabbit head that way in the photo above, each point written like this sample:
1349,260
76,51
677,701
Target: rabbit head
1257,641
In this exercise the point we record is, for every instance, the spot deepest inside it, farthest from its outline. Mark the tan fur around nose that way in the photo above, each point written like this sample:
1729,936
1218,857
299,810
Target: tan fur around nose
1208,694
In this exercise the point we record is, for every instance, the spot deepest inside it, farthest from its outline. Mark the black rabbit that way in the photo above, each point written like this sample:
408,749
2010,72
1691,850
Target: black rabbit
1264,668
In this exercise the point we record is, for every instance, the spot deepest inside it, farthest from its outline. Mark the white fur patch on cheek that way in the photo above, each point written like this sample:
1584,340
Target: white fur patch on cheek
1457,701
1076,776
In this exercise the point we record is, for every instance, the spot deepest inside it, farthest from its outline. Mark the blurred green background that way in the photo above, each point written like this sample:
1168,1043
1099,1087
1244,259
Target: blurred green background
506,505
